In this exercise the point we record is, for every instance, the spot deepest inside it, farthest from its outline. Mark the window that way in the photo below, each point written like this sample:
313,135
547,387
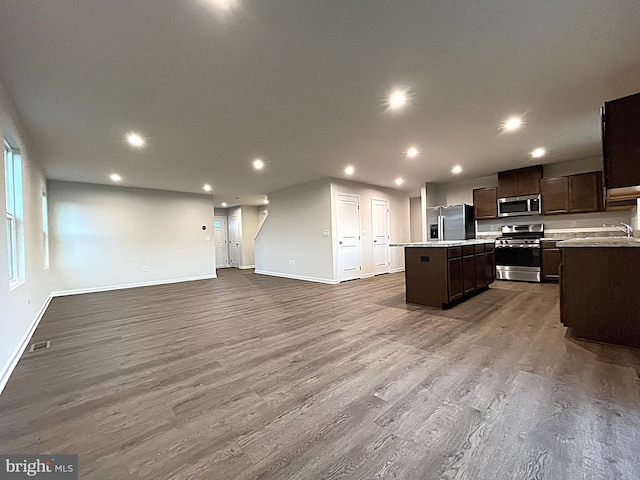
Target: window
45,229
13,189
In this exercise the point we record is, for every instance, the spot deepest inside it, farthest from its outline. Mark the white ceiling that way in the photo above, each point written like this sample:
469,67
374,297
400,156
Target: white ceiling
302,84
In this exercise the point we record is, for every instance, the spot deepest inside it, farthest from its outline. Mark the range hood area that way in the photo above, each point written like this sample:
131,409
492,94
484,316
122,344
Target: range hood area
622,197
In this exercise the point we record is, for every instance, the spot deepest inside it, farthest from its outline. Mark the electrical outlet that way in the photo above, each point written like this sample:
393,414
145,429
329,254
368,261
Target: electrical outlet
573,223
292,262
207,237
144,268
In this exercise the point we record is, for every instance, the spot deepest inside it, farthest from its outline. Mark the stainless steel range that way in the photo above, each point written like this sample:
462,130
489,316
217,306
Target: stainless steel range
518,252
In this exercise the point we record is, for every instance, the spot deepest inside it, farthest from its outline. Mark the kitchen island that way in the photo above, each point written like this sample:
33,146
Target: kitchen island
599,284
444,273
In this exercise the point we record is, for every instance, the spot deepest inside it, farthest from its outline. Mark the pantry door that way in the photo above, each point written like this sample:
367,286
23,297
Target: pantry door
380,234
348,229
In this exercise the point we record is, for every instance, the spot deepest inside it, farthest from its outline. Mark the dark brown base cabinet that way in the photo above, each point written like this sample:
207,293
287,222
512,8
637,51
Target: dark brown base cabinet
443,276
599,294
550,261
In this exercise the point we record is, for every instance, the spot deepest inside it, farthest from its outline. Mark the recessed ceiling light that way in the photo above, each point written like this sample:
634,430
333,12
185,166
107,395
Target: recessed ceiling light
266,201
399,181
224,204
512,124
538,152
349,170
135,140
115,177
457,169
412,152
258,164
207,187
397,99
224,5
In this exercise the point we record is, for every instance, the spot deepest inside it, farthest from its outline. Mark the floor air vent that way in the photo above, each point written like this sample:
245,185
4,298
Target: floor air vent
40,346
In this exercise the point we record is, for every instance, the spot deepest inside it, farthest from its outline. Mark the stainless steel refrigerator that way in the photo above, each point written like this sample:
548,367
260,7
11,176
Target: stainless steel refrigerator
453,222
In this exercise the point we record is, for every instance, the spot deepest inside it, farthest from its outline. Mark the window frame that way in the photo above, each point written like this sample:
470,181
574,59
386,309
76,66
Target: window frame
13,214
45,229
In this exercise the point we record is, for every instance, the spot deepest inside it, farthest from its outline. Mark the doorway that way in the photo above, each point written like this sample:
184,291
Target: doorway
221,241
380,234
234,242
348,229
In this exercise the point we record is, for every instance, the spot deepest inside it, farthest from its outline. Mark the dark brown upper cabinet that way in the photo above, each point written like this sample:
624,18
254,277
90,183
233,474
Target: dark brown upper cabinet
621,141
555,195
573,194
585,192
523,181
485,203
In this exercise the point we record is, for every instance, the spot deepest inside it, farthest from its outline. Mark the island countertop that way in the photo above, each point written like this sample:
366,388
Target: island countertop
444,243
600,242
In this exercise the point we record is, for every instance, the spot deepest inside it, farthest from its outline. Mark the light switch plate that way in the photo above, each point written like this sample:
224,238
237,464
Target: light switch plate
207,237
325,233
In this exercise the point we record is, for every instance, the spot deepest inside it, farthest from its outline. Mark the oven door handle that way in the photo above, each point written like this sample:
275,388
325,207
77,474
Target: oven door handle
517,246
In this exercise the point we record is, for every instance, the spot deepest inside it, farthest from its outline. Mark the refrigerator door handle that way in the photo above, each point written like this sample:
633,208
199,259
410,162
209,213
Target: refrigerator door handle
440,227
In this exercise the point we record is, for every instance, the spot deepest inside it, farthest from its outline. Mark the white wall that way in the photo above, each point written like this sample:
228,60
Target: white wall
554,224
462,191
102,236
21,307
250,222
290,242
398,219
263,212
415,219
554,170
458,192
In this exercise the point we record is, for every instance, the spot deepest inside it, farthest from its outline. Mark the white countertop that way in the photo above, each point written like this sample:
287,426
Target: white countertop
600,242
444,243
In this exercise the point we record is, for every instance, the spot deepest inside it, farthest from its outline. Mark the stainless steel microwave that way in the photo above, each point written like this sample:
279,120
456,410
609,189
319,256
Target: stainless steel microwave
518,206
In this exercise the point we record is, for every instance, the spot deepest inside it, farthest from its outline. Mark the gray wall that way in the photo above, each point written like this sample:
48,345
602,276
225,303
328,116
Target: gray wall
462,192
21,307
290,242
250,222
398,220
415,219
102,236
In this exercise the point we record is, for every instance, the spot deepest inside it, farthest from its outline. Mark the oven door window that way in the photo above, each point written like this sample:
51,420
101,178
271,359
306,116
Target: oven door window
518,257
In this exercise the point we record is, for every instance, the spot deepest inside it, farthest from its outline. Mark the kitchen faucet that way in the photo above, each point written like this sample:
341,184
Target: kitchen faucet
628,229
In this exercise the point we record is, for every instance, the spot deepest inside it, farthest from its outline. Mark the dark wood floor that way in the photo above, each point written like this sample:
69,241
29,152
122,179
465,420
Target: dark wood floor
249,376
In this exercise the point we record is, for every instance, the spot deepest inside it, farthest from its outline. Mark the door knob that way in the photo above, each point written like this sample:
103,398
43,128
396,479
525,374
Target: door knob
340,242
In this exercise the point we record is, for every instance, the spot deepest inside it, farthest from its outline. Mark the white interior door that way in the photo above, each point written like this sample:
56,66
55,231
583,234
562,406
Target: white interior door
220,234
234,241
348,229
380,234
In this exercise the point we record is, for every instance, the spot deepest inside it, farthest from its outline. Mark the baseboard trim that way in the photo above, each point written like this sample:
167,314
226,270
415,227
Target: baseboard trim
8,368
396,270
366,275
80,291
247,267
298,277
